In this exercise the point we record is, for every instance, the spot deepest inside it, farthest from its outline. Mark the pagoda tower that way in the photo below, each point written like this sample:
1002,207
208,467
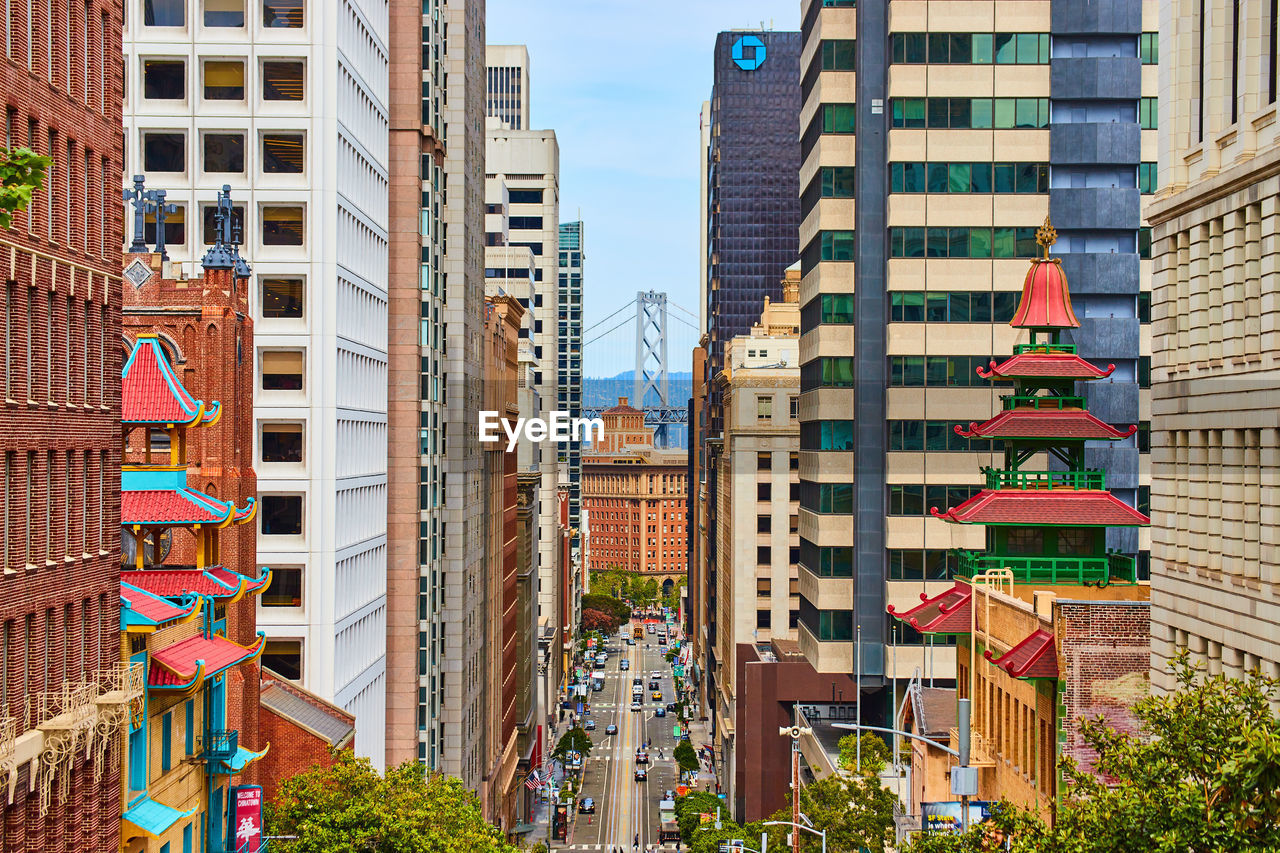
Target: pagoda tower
1046,523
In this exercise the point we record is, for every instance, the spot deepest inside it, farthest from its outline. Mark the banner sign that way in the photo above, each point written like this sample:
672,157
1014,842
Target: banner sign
945,817
245,818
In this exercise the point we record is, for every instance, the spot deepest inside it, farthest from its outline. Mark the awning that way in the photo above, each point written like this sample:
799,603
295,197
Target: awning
523,828
1033,657
152,817
242,759
947,613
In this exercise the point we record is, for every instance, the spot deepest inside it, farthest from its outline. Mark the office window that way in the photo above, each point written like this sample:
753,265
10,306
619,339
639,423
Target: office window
224,80
175,227
208,224
281,515
282,297
1148,113
284,658
282,13
282,370
763,619
282,153
1147,177
164,152
281,442
524,196
764,407
283,80
763,491
793,404
164,79
838,54
164,13
764,461
837,181
1149,48
839,118
285,589
224,13
282,226
224,152
764,524
764,555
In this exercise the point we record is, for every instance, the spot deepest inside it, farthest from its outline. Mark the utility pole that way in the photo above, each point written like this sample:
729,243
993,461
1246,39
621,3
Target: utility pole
794,731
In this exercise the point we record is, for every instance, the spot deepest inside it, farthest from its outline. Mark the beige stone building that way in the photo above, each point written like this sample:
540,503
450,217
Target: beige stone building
1215,557
757,596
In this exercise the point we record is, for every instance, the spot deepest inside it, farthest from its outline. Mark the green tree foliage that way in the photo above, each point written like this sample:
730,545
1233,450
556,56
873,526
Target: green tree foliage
22,172
685,756
855,811
1201,775
691,807
349,808
574,740
875,754
607,604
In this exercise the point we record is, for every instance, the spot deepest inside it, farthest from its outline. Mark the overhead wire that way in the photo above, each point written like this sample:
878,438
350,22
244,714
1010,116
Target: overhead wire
610,317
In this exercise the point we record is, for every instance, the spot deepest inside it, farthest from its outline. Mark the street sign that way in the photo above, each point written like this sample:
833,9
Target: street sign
679,670
675,730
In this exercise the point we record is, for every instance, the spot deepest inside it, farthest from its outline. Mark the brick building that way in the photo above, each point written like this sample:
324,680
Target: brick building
303,729
59,416
635,498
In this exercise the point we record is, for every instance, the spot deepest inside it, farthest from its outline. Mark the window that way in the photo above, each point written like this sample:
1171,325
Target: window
282,297
282,80
285,589
224,152
175,227
1148,113
164,13
281,442
207,225
281,515
969,177
164,79
764,407
838,118
826,435
936,371
764,461
189,729
282,226
282,370
282,153
166,742
981,113
763,618
827,372
1147,177
793,404
838,54
916,242
763,491
970,48
837,181
282,13
524,196
764,555
284,658
224,80
1149,48
764,524
164,152
525,222
224,13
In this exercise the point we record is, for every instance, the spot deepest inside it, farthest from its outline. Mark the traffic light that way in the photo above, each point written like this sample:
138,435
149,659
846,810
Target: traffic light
560,823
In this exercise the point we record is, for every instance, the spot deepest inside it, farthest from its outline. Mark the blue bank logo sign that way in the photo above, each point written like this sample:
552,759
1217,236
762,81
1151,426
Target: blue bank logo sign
748,53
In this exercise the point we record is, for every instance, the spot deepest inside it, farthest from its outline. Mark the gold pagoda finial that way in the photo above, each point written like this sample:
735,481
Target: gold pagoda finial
1046,236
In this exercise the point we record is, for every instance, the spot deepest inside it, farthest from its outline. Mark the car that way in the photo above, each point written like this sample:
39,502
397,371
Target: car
651,629
642,757
655,675
625,664
660,712
636,681
642,774
657,695
611,729
668,795
586,806
671,706
635,706
662,641
589,725
630,642
654,685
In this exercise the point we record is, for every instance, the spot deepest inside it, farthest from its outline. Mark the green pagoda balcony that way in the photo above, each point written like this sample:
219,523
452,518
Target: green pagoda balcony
1019,349
1036,401
1112,567
1001,478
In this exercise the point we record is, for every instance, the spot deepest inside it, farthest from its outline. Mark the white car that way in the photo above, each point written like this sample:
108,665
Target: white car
625,664
635,706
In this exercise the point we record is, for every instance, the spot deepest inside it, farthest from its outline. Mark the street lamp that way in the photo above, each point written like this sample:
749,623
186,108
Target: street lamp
795,836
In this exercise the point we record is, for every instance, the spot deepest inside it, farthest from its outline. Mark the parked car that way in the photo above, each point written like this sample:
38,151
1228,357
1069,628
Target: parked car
589,725
611,729
655,675
671,706
587,806
642,757
660,712
642,774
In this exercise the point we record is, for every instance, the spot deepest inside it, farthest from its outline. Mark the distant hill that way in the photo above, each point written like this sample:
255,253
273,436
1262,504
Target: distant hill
630,375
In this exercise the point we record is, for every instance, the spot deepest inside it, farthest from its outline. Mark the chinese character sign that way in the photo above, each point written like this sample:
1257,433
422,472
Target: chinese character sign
245,820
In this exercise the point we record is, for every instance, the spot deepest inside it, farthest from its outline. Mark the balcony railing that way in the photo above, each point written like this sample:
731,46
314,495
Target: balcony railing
222,744
1019,349
1112,567
1036,401
1001,478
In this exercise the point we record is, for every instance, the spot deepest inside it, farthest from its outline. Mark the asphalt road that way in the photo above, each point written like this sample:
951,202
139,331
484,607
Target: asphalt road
626,808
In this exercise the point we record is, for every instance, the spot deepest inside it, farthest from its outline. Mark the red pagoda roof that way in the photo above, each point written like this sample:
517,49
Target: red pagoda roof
1045,303
143,609
1051,365
217,581
1026,422
180,506
1034,657
190,660
947,613
151,392
1070,507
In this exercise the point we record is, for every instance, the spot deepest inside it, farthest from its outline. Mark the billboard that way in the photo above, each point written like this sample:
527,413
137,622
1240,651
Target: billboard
244,818
945,817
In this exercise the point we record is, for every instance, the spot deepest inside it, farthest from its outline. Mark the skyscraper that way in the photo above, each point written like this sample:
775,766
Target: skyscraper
59,591
507,85
569,362
251,96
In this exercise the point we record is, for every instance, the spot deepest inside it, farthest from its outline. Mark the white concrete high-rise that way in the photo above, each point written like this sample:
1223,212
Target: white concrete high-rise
286,102
507,84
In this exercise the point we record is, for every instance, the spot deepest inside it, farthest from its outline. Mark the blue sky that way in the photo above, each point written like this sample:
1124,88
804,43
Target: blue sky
621,82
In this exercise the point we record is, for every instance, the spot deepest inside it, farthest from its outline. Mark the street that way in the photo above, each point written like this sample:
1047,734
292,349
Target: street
625,807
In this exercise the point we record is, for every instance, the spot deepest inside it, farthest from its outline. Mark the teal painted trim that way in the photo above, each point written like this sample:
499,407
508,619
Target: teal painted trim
153,817
153,480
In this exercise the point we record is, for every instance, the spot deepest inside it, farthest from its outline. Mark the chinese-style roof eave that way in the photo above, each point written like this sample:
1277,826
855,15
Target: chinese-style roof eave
946,613
218,582
1045,365
180,507
1049,507
244,585
242,759
153,395
1024,422
1033,657
185,664
143,612
152,817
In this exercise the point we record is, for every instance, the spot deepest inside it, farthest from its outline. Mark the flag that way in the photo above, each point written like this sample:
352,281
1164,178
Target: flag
534,781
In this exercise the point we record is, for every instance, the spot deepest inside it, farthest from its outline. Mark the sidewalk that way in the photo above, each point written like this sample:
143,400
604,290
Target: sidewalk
699,736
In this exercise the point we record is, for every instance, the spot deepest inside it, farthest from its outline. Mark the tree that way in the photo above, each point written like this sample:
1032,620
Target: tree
607,604
22,172
691,807
598,620
349,808
875,754
575,740
1201,774
856,812
685,756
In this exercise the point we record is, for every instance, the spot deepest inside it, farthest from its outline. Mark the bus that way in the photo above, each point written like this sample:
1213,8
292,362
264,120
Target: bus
668,828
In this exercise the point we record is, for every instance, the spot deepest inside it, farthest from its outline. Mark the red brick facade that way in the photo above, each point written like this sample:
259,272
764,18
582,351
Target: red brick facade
295,749
60,410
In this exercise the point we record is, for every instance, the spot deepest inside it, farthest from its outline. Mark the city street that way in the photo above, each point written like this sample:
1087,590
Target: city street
625,807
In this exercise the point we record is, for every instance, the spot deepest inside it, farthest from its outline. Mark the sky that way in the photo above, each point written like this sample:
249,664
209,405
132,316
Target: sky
622,83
